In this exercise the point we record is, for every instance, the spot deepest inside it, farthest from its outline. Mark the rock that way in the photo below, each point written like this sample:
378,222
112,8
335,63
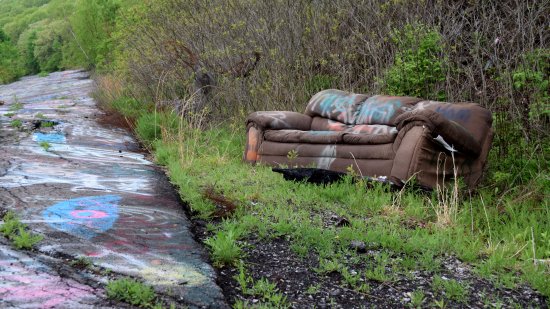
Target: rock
358,246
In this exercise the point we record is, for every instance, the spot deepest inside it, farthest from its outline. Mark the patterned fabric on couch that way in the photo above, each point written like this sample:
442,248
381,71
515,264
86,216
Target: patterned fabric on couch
397,137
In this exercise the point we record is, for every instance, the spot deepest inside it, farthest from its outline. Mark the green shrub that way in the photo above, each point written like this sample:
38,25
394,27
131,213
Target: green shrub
419,64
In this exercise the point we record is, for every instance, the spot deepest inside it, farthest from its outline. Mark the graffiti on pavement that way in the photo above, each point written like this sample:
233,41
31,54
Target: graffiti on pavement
84,217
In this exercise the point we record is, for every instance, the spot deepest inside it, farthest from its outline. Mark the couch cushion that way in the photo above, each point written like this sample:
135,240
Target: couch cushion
369,139
296,136
324,124
335,105
381,109
378,151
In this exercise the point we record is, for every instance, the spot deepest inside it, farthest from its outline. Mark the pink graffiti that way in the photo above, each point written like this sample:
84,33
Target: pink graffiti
26,286
88,214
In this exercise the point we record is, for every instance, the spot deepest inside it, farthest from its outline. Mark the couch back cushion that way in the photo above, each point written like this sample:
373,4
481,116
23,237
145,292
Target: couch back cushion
474,118
382,109
335,105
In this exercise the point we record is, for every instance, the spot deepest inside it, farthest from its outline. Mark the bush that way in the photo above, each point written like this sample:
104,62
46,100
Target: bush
419,64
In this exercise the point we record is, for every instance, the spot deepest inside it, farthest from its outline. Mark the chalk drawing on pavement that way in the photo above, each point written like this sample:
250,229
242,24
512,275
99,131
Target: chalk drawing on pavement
84,217
56,138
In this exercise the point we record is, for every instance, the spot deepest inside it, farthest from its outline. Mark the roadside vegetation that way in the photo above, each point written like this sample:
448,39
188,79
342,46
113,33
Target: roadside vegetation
186,73
18,232
135,293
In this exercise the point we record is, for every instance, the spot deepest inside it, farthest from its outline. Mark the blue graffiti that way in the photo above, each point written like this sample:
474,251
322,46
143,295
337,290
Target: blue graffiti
323,133
459,115
84,217
338,104
375,111
56,138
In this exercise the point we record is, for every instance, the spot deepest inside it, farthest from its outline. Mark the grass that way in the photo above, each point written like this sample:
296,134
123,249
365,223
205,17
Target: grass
39,116
262,288
47,124
451,288
16,106
132,292
495,233
16,123
224,247
17,232
45,145
9,115
81,262
417,298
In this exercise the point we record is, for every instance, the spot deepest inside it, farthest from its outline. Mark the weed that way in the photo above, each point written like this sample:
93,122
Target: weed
292,155
446,207
16,123
313,289
224,247
417,298
132,292
39,116
378,272
439,303
81,262
17,232
16,106
363,288
43,74
269,293
47,124
11,225
327,266
45,145
350,277
452,289
243,279
25,239
9,115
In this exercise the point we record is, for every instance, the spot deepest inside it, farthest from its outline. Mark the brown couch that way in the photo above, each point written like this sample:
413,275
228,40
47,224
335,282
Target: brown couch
396,137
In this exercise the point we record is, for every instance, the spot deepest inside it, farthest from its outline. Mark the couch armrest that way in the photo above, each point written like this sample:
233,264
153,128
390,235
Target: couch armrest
279,120
453,133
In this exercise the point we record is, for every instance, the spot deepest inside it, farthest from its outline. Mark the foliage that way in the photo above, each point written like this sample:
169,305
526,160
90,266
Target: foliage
132,292
13,229
10,67
224,246
16,123
45,145
25,239
419,65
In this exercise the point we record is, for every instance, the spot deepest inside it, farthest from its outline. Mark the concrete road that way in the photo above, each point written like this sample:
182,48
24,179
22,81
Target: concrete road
92,194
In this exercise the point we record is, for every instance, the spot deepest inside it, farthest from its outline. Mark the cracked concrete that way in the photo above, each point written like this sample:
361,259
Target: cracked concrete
91,194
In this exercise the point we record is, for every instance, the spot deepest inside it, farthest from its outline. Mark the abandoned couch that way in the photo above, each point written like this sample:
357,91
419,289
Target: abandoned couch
395,137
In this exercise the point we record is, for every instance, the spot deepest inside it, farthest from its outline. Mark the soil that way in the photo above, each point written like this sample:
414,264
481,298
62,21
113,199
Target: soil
274,260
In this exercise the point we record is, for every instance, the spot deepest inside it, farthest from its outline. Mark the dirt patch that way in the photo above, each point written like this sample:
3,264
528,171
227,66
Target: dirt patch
114,119
304,287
